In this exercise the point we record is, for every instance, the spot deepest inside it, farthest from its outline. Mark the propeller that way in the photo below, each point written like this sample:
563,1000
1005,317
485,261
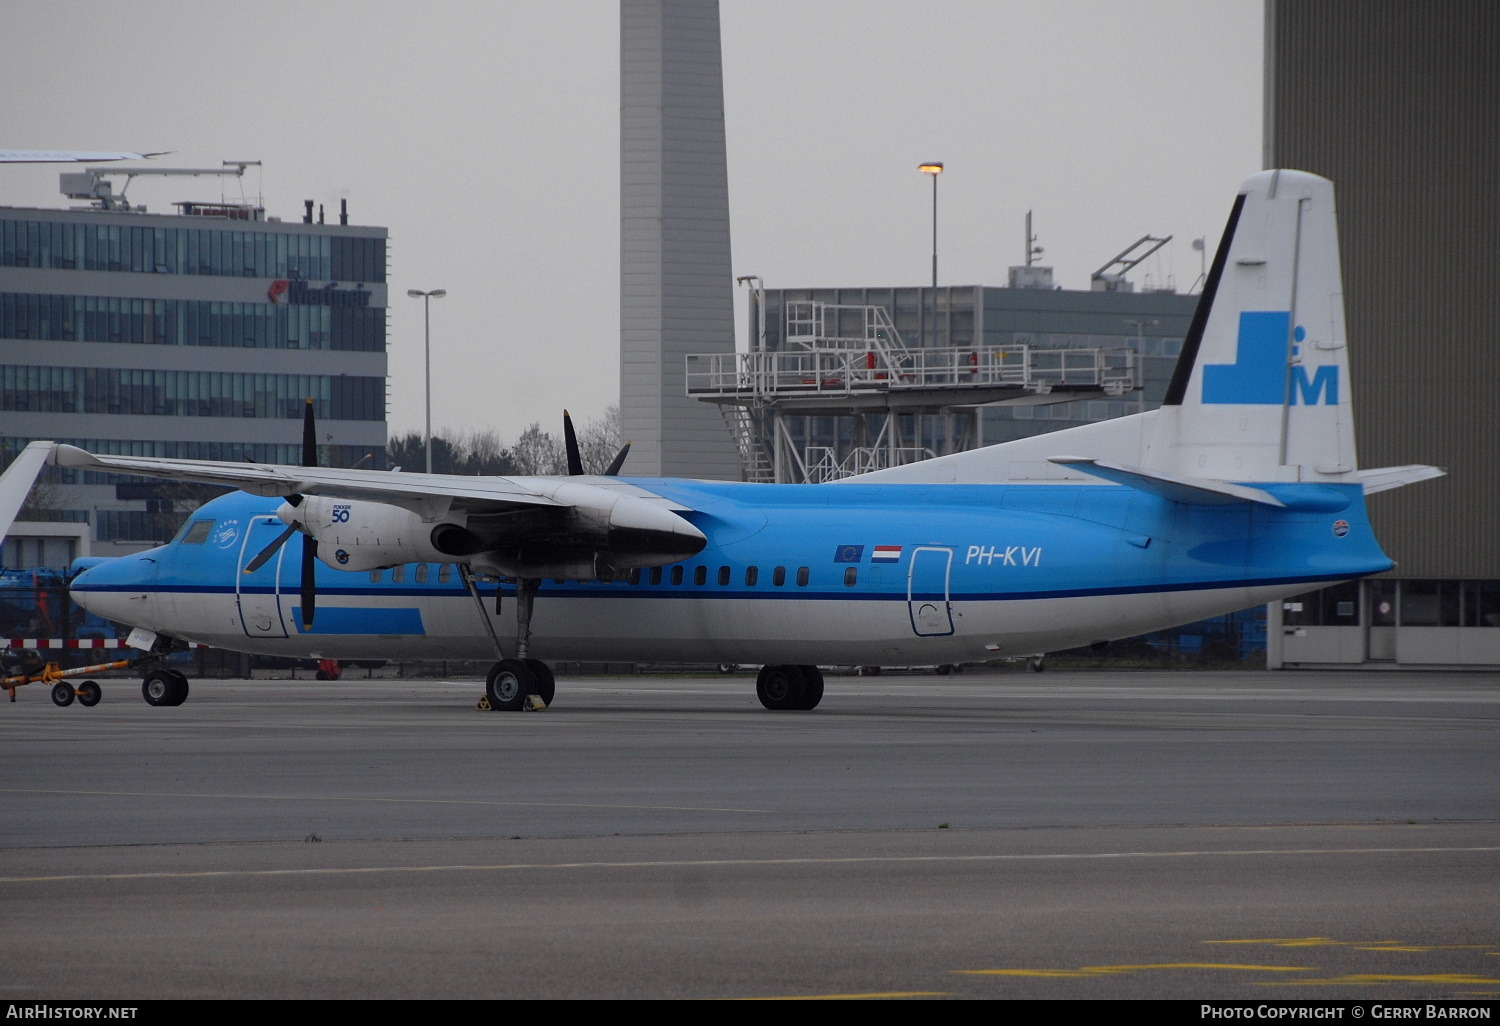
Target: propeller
309,543
575,458
570,441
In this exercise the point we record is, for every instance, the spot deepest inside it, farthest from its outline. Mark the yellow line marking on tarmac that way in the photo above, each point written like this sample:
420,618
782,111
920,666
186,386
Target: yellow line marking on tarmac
398,801
690,863
1358,978
1106,970
873,996
1328,942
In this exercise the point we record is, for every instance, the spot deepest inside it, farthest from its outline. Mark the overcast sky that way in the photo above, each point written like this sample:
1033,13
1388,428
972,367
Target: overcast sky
485,136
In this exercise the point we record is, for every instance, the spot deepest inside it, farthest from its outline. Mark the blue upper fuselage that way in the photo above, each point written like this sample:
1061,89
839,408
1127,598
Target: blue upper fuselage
1006,542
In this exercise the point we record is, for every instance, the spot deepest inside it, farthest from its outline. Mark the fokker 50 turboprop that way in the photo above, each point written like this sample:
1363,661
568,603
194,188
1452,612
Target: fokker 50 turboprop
1241,489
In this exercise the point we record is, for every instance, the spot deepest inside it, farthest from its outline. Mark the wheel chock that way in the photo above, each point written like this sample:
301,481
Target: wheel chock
483,705
534,703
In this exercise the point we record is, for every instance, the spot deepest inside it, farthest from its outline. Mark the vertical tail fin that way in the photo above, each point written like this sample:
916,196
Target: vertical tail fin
1261,391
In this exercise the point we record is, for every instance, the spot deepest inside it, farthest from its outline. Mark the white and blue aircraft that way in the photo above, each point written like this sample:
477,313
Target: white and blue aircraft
1241,489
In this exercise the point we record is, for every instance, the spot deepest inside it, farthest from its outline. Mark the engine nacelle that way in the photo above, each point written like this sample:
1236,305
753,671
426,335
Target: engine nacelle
581,531
356,535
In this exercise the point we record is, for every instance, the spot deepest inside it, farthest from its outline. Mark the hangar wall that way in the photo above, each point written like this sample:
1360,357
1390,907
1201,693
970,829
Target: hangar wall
1398,104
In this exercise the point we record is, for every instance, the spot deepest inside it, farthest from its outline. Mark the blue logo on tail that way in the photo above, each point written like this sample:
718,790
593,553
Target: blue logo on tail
1258,375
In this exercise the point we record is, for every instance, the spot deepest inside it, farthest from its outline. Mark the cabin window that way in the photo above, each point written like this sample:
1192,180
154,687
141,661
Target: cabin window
677,575
376,575
656,575
851,576
802,575
778,576
635,576
197,532
723,575
445,573
752,574
700,575
399,574
421,573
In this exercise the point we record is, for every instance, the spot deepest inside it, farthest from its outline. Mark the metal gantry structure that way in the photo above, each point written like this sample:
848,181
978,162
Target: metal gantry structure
883,392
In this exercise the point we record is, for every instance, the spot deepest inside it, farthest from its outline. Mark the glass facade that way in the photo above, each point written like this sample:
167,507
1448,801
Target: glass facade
186,322
188,393
239,253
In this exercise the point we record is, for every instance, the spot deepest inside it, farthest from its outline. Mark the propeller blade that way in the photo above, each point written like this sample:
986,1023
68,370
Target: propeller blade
270,550
618,461
570,440
309,569
309,437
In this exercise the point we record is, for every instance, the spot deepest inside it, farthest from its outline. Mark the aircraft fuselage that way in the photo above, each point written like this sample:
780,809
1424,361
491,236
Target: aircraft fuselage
855,574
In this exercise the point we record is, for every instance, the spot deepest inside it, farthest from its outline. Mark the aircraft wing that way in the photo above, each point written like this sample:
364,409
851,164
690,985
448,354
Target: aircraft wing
417,492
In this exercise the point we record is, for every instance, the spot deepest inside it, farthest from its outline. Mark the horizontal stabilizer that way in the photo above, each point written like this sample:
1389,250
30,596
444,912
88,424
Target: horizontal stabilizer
1192,491
1382,478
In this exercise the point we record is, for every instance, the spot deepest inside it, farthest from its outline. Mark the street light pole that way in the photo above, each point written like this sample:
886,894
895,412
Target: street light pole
427,298
934,169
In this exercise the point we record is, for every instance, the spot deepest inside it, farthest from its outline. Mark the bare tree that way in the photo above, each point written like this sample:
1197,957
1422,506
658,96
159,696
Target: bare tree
482,454
600,440
537,452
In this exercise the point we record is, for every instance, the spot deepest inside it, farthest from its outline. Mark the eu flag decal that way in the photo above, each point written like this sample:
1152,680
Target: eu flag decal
849,554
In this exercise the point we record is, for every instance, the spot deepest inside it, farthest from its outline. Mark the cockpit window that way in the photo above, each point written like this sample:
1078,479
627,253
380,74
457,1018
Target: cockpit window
196,532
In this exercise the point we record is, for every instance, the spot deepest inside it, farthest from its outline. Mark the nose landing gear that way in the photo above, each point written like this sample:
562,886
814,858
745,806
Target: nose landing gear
164,687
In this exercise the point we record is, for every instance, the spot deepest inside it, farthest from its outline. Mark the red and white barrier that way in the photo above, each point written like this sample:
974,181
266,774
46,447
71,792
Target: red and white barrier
40,643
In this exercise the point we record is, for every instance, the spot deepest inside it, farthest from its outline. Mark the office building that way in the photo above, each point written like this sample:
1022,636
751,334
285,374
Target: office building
198,334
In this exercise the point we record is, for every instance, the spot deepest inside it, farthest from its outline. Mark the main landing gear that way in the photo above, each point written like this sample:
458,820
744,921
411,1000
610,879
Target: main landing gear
511,681
789,687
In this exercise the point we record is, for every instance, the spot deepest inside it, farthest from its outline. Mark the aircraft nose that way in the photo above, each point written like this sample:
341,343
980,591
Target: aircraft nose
115,588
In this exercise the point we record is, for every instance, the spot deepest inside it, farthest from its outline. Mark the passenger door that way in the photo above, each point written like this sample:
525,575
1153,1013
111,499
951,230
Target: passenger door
927,600
259,594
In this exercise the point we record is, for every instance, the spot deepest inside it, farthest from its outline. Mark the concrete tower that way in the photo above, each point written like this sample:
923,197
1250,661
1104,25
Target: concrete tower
676,284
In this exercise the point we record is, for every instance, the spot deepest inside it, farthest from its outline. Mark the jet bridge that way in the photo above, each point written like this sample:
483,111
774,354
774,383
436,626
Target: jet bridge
886,386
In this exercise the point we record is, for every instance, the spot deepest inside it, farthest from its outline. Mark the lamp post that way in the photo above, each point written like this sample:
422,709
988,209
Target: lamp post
934,169
427,298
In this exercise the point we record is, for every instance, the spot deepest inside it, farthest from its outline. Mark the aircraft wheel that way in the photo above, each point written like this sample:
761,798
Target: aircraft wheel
1038,663
62,693
508,684
780,687
89,694
179,688
157,689
546,683
812,687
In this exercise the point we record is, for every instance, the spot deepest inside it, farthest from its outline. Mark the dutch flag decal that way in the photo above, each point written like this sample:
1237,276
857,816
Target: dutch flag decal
886,554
